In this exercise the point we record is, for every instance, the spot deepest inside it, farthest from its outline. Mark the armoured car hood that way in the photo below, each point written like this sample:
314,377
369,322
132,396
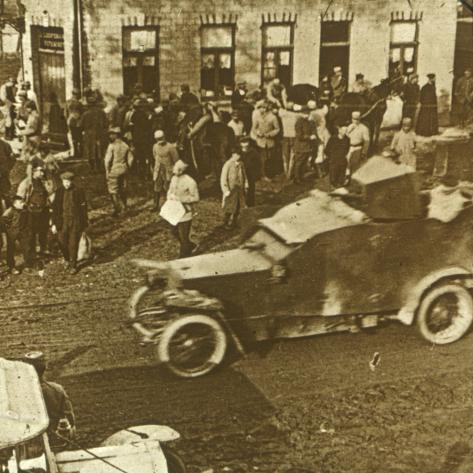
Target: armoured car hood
236,261
139,457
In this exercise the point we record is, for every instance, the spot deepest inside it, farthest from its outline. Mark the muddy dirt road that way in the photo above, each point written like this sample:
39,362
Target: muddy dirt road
309,405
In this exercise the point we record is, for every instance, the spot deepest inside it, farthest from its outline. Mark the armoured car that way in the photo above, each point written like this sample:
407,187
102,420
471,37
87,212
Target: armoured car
378,250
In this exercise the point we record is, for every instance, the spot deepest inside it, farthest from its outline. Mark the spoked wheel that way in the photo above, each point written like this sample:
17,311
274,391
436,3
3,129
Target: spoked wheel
445,314
192,345
174,461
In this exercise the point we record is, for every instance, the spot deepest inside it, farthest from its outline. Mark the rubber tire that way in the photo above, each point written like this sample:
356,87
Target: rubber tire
171,329
174,461
463,295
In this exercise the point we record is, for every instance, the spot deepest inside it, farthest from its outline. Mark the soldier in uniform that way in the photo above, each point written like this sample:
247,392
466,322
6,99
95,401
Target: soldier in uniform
58,404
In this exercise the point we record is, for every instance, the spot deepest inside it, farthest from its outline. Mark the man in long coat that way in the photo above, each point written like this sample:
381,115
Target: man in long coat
234,184
464,97
427,122
69,217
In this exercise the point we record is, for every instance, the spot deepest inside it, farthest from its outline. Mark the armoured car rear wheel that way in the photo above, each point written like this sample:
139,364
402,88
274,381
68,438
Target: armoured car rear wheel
445,314
192,345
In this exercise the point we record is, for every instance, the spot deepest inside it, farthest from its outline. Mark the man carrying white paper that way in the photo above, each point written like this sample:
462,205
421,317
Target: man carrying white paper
183,190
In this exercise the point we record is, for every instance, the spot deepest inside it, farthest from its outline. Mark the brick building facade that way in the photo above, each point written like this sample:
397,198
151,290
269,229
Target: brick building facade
112,44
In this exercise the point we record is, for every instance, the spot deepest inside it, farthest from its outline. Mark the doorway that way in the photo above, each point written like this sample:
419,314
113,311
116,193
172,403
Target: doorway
48,66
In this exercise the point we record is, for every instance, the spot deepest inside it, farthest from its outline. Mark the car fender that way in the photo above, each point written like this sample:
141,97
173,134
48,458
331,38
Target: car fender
141,433
406,314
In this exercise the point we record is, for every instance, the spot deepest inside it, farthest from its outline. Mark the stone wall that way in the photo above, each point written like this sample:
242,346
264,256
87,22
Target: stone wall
179,22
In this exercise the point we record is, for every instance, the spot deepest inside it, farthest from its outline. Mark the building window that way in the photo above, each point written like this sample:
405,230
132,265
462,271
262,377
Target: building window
141,59
217,77
334,47
278,49
403,47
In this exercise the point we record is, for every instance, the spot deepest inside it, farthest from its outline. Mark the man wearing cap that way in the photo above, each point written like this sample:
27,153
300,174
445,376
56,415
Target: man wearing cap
427,121
33,191
288,120
304,143
118,161
359,136
165,156
93,124
185,190
360,86
464,97
58,404
404,143
411,96
69,218
338,84
265,130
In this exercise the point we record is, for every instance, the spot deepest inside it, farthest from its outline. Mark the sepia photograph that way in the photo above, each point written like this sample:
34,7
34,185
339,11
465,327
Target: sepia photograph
236,236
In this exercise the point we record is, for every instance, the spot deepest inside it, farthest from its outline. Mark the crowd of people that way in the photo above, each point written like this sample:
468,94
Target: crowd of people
175,143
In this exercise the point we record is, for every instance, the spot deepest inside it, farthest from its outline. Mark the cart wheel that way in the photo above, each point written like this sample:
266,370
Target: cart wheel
445,314
192,345
174,461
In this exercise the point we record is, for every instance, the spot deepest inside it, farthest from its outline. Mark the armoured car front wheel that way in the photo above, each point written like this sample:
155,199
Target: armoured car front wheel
192,345
445,314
